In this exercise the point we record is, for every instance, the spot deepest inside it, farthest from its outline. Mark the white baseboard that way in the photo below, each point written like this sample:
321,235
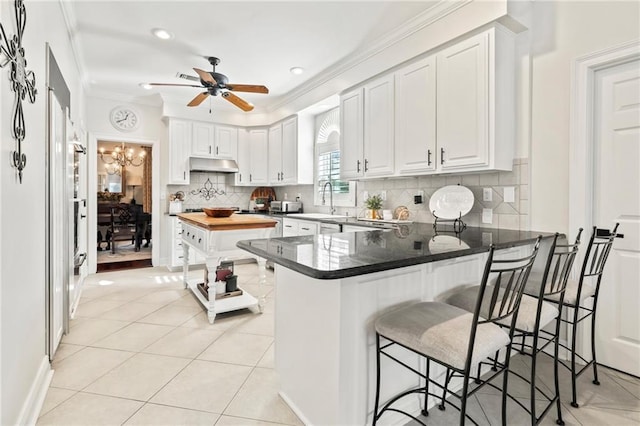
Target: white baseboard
37,392
294,408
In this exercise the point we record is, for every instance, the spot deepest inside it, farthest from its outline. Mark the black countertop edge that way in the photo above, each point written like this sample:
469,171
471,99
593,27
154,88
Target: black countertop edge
379,266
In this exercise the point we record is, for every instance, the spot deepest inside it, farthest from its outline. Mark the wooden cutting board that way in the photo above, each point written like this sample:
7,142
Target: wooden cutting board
235,221
263,192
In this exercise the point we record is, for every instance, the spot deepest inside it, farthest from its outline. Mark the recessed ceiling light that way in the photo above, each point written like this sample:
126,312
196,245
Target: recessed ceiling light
296,70
161,33
146,86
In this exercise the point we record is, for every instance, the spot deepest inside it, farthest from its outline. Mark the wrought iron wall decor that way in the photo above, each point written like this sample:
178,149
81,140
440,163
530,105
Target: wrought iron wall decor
23,82
208,191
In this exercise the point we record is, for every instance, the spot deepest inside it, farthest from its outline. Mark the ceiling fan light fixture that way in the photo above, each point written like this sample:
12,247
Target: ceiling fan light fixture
296,70
161,33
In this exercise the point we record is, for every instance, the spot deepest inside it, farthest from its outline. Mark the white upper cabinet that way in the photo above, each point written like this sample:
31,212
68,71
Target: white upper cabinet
275,154
179,150
213,141
202,141
226,142
244,160
351,135
291,151
475,103
258,149
367,130
415,120
379,115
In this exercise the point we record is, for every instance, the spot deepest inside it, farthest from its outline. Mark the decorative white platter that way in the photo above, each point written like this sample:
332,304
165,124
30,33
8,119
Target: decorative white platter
451,202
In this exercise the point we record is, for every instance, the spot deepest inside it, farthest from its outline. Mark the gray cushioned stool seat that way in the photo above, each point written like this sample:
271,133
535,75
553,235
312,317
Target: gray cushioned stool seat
570,292
526,320
441,332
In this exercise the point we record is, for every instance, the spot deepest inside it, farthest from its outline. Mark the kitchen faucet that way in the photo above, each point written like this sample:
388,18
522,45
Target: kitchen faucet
331,209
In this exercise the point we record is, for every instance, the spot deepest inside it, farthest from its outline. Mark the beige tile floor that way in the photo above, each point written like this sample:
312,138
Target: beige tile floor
141,352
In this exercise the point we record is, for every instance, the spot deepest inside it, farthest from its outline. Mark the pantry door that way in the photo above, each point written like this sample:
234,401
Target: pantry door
617,199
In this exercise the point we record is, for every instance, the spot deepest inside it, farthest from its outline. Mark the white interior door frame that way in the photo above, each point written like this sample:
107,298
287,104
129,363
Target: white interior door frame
92,196
581,145
582,173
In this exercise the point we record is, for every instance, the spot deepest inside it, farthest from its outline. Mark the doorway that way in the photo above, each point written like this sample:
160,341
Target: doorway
604,154
124,213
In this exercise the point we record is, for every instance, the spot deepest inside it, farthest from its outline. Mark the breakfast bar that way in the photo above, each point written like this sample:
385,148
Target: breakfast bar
332,287
215,238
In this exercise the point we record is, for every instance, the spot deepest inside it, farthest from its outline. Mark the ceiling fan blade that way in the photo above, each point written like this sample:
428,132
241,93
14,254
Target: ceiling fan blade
187,77
247,88
173,84
198,99
239,102
205,76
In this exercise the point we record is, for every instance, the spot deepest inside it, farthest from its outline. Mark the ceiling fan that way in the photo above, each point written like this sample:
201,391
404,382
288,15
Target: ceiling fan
216,83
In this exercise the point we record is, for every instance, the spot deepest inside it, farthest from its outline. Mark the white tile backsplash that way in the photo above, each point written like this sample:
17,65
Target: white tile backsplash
400,192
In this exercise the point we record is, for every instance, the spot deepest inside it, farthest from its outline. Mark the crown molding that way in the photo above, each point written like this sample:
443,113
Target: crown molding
71,23
154,100
422,20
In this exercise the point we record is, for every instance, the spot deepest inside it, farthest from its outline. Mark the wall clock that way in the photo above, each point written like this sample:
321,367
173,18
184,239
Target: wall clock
124,119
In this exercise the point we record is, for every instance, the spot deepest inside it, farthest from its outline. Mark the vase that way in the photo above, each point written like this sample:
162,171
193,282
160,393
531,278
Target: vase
373,214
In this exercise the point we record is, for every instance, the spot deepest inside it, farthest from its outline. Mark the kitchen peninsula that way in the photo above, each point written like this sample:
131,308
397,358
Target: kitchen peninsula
215,238
332,287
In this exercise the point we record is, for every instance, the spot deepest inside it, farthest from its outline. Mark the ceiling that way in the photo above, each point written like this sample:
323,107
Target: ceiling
258,42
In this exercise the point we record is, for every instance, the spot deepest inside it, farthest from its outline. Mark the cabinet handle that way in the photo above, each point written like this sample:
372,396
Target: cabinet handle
217,148
184,175
188,233
306,229
239,177
193,237
428,157
209,149
199,240
366,165
250,178
287,226
358,167
441,155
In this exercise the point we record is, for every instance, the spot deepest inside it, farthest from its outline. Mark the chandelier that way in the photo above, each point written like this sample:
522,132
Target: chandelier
121,156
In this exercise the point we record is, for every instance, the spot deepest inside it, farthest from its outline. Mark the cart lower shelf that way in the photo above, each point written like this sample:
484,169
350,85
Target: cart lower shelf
227,304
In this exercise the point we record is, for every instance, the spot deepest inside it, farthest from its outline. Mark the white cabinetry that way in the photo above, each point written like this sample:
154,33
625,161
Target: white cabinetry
415,122
275,154
291,152
213,141
475,103
179,150
297,227
177,254
367,130
252,158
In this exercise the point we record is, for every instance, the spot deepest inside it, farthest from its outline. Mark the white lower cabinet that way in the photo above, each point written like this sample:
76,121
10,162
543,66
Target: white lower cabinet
176,252
297,227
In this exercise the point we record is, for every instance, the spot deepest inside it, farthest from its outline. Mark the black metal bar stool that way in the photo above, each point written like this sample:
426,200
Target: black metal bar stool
575,297
535,314
454,338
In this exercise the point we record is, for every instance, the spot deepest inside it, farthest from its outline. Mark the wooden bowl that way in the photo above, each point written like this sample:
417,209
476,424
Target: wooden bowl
219,211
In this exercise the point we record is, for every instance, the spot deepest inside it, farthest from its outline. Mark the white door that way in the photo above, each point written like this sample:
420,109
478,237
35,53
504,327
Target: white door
244,159
617,199
259,148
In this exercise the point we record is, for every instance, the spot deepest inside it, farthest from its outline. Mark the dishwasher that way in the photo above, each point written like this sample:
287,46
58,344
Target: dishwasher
329,228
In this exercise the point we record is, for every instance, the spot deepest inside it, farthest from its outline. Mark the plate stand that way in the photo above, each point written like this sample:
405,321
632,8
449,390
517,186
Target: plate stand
458,224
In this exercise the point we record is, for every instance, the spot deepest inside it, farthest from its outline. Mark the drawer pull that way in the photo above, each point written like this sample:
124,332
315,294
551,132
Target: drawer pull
199,240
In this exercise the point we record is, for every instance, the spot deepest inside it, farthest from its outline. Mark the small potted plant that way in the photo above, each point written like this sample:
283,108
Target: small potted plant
373,205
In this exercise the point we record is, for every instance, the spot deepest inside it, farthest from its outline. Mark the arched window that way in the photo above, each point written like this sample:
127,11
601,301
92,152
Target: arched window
327,167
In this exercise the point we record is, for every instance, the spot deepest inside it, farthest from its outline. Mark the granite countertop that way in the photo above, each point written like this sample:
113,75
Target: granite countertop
340,255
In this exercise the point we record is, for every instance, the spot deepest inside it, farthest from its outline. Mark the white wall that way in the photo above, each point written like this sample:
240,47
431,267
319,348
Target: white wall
564,31
22,206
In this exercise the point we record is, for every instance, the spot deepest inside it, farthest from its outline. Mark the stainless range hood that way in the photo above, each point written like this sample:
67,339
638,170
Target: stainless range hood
216,165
